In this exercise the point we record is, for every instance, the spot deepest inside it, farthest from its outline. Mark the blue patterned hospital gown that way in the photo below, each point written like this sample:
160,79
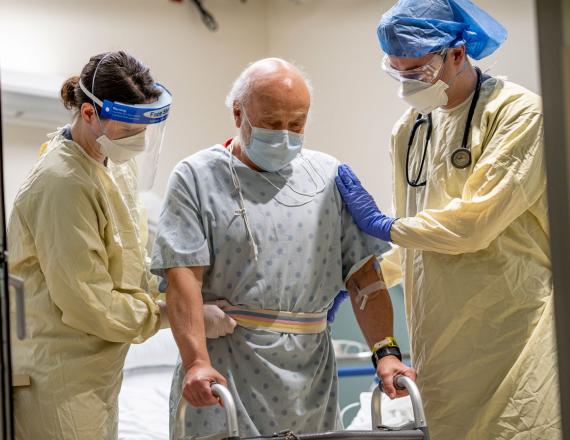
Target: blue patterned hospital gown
280,381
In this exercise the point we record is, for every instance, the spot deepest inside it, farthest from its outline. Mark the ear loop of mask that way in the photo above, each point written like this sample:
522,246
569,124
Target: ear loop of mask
458,73
312,176
463,69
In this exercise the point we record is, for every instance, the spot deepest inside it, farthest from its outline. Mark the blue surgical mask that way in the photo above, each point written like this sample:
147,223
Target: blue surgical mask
272,150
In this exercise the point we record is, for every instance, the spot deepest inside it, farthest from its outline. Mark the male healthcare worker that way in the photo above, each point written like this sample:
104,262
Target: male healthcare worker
471,227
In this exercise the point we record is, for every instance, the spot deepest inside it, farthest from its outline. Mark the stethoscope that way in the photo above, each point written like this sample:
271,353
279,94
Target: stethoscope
461,157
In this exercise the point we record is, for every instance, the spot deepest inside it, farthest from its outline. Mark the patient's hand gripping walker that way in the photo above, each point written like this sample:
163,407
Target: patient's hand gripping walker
416,430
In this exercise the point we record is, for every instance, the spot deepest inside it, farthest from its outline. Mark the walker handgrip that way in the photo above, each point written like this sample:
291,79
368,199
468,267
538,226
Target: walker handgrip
229,404
405,383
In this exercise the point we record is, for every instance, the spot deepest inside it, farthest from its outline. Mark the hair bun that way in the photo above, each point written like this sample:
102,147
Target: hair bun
68,93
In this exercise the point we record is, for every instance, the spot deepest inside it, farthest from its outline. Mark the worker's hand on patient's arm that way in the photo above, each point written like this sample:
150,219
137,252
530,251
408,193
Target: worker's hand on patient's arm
217,322
362,206
390,367
185,311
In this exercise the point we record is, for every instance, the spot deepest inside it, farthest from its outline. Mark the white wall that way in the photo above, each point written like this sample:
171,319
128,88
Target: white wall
57,37
21,148
355,103
335,41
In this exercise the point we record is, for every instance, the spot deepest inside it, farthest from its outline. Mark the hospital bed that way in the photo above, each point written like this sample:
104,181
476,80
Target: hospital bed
145,393
353,360
148,371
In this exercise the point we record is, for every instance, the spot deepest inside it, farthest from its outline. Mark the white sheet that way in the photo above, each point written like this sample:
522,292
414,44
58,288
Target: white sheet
143,404
158,351
143,400
394,412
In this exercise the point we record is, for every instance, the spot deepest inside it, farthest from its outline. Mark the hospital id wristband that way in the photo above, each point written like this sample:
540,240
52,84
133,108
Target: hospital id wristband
388,341
383,352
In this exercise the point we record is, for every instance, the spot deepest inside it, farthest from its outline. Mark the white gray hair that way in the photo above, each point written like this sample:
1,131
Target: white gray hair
242,86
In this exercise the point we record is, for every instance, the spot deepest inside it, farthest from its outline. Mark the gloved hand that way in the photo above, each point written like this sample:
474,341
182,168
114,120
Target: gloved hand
361,205
216,321
338,300
164,322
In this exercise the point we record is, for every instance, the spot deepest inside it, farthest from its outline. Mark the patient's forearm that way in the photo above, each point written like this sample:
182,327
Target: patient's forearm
185,312
377,319
373,311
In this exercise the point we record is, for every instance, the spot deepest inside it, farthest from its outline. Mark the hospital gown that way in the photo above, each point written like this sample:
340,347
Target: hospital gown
280,381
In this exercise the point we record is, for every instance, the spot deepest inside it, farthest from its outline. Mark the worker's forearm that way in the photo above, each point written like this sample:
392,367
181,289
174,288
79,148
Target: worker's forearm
185,312
377,319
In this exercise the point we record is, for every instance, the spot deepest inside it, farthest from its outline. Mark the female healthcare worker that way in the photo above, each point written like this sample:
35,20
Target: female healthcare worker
77,239
471,226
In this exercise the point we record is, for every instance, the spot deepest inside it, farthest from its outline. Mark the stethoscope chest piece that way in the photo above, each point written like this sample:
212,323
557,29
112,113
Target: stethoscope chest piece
461,158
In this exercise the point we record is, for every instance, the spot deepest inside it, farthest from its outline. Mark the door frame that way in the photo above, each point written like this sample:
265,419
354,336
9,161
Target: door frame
552,18
6,403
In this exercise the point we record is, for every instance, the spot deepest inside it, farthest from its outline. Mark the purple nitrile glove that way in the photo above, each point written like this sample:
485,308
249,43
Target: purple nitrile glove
362,206
338,300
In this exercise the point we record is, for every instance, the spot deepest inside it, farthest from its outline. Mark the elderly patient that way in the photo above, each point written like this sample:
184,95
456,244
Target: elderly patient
257,225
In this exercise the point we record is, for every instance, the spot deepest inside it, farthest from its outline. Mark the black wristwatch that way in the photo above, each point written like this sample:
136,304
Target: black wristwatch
385,351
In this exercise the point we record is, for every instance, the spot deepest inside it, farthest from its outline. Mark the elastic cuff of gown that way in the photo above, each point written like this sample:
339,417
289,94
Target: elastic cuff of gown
156,313
390,230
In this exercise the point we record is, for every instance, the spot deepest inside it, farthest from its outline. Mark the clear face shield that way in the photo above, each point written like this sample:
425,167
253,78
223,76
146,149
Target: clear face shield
151,117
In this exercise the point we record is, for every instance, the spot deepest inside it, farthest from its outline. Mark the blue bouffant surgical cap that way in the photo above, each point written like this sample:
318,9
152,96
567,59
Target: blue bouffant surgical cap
414,28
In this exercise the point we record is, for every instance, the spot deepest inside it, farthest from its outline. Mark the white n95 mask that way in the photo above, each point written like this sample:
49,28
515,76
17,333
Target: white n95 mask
424,97
122,150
